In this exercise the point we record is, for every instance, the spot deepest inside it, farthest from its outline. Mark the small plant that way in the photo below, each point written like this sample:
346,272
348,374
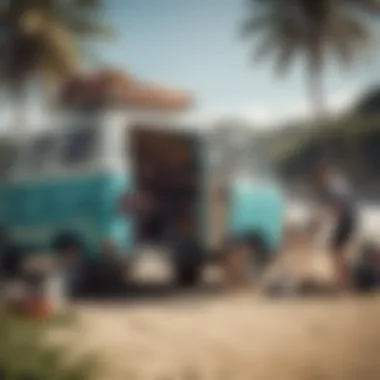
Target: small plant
25,354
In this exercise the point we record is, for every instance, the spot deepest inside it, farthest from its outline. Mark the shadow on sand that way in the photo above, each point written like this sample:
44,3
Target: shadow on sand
148,292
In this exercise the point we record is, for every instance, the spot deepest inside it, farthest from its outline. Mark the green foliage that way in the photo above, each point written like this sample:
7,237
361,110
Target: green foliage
312,28
45,37
348,128
26,355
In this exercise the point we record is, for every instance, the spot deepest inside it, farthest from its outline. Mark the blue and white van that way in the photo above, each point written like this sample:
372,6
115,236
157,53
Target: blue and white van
76,177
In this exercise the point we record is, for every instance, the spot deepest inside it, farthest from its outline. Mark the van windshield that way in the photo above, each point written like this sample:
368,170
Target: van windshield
79,146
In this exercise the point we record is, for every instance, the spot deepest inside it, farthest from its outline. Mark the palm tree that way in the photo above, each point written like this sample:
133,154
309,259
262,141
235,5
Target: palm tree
41,39
314,29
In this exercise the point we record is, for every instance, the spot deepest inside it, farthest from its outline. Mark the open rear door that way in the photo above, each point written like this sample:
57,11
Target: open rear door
166,168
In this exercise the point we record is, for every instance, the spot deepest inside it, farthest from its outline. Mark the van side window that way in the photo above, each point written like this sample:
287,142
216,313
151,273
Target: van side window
8,159
40,151
79,146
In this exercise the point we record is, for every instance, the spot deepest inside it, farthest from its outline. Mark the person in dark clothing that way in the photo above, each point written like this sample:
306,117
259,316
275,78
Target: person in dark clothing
337,206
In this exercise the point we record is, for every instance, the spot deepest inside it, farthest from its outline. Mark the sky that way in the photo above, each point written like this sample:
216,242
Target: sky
195,45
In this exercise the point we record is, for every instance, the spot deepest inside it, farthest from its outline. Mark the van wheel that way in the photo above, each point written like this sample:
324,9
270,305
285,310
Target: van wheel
187,276
188,263
69,242
65,240
260,255
236,264
364,279
244,259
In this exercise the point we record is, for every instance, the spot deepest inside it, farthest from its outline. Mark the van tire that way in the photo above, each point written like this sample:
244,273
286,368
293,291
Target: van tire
63,239
189,261
260,252
187,276
365,279
244,259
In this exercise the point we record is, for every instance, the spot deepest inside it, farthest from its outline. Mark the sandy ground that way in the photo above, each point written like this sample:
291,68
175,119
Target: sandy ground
234,336
237,338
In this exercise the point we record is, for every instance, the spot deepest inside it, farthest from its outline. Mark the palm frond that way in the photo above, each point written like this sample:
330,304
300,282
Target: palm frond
265,14
60,53
285,56
343,51
352,28
342,30
290,41
282,38
256,24
88,27
348,37
83,20
268,44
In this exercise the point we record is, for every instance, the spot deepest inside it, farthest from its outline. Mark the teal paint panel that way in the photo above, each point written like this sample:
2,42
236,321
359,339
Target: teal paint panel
88,205
257,208
121,229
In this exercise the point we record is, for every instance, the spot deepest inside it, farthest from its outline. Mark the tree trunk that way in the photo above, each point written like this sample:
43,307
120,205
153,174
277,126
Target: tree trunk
316,94
317,101
315,83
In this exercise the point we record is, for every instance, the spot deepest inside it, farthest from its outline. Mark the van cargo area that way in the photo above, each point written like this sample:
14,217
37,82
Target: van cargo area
168,183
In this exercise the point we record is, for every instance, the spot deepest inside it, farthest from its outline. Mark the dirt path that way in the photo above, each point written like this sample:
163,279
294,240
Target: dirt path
236,337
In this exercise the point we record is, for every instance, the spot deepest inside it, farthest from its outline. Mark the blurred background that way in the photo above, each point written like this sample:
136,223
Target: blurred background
134,129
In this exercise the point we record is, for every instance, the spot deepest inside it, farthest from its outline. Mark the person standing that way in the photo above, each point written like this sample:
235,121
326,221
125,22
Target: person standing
337,207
